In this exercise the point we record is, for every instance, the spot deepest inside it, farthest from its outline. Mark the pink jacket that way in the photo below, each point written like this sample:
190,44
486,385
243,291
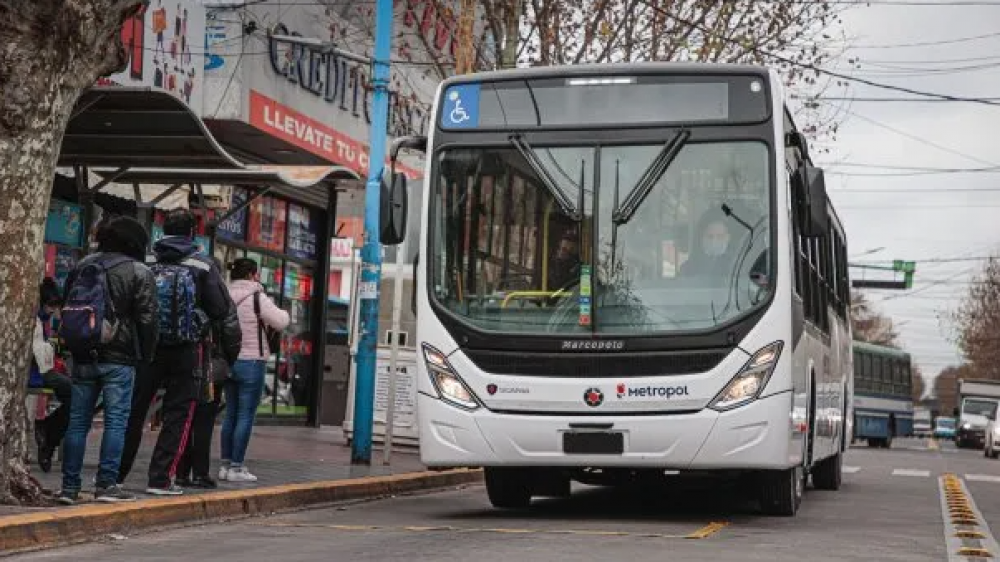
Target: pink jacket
242,293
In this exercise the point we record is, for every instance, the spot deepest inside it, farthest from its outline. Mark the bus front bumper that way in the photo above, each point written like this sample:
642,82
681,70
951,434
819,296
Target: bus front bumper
758,435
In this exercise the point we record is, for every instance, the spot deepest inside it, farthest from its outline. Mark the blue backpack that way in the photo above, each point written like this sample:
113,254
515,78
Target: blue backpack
181,321
88,315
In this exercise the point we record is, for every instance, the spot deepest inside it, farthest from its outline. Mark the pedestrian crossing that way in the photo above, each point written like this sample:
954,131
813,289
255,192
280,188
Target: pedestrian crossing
916,473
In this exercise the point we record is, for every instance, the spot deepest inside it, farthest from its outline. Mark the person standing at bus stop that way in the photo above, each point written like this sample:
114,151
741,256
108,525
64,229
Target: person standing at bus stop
191,294
224,349
116,282
243,394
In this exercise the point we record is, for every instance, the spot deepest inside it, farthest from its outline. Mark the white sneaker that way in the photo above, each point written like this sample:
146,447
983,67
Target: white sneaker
224,473
241,474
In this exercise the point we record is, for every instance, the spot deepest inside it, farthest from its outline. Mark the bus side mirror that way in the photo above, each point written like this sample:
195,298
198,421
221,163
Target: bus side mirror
394,204
392,215
810,184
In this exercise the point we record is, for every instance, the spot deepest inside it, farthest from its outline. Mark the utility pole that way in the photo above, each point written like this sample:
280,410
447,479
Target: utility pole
371,252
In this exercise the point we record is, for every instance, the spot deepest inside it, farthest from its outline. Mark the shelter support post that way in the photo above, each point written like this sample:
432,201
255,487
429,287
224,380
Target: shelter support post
320,324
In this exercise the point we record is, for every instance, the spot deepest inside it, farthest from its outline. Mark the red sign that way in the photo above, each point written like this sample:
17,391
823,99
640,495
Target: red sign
268,221
307,133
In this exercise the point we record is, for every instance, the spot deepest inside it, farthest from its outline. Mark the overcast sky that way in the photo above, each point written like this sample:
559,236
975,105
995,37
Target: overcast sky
921,217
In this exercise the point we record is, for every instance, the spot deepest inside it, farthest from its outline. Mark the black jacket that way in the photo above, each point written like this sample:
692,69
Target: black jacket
133,292
213,296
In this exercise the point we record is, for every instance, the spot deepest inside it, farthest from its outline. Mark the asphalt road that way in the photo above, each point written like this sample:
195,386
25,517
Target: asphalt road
888,509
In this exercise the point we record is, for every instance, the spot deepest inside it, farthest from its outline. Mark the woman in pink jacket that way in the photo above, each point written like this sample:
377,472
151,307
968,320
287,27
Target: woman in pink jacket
244,391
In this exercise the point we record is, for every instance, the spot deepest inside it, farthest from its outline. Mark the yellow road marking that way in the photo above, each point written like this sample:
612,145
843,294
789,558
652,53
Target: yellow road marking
700,533
707,530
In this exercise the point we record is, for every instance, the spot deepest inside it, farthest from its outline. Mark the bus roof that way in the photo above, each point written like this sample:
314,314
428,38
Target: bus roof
593,69
880,349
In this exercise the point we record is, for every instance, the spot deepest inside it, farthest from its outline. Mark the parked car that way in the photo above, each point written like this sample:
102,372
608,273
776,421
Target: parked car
944,428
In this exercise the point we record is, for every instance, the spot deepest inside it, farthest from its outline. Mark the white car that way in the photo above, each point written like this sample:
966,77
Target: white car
992,447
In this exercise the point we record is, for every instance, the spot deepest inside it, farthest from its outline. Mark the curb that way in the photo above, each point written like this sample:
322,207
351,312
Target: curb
66,526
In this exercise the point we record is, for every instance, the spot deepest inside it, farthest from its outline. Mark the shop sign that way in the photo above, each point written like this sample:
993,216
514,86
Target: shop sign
64,224
164,44
296,128
302,232
235,227
321,102
343,84
341,250
267,223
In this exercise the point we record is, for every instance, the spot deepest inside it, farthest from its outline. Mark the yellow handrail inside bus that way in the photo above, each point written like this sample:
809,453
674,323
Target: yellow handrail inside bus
545,245
529,294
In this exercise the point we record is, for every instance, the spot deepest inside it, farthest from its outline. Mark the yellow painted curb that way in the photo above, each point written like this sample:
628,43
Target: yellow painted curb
64,526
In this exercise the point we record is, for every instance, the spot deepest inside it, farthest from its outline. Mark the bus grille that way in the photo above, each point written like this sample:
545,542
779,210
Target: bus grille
595,365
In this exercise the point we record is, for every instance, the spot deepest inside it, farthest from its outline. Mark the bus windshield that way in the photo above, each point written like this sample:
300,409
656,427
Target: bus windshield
624,239
980,407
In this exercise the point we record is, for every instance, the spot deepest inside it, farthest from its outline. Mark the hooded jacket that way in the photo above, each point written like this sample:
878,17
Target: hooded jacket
213,297
242,292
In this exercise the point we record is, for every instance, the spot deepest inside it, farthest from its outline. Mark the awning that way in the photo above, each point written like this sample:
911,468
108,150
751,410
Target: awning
128,126
130,135
292,176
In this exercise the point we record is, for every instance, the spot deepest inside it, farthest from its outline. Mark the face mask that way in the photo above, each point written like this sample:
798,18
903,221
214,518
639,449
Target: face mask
714,248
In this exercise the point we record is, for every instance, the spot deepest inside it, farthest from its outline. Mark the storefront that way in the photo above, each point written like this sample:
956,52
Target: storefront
282,237
64,239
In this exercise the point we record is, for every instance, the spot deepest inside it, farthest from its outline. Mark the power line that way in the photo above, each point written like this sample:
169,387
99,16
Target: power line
935,191
922,140
813,67
862,99
934,61
930,43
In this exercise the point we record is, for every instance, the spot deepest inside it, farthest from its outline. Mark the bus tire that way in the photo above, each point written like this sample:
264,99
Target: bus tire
508,488
781,491
828,473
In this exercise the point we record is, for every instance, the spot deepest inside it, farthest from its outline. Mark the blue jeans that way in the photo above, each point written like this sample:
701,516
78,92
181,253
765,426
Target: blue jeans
114,383
243,394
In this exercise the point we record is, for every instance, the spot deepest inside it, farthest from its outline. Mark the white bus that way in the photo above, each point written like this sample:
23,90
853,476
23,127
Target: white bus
625,271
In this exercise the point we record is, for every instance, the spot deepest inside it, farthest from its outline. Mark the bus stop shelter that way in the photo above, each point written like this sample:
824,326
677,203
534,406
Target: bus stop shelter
145,136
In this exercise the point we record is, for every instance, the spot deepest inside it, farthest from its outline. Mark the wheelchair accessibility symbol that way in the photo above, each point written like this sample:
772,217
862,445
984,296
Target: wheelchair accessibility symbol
458,114
462,106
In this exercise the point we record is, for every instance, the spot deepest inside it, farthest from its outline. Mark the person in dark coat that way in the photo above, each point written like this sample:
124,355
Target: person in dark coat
121,244
226,340
176,367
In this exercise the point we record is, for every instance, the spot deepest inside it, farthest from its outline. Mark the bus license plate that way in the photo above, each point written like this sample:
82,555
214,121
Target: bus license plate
593,443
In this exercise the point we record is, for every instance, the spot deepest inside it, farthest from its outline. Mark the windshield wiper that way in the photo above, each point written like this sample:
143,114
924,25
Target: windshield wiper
561,197
650,177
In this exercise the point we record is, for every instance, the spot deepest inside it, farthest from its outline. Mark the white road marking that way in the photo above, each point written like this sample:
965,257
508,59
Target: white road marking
850,469
982,478
910,472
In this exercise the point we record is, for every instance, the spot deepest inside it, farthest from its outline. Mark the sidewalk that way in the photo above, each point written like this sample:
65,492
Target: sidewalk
296,467
277,455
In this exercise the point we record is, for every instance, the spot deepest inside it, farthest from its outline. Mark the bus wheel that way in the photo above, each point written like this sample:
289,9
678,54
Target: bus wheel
508,488
827,473
781,491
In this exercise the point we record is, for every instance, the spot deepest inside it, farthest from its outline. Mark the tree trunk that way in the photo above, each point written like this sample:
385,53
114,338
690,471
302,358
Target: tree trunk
512,32
50,51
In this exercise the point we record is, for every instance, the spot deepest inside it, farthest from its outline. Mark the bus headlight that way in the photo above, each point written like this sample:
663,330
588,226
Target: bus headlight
747,384
449,386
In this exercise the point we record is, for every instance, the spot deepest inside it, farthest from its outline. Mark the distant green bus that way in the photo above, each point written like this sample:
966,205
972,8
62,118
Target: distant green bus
883,394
